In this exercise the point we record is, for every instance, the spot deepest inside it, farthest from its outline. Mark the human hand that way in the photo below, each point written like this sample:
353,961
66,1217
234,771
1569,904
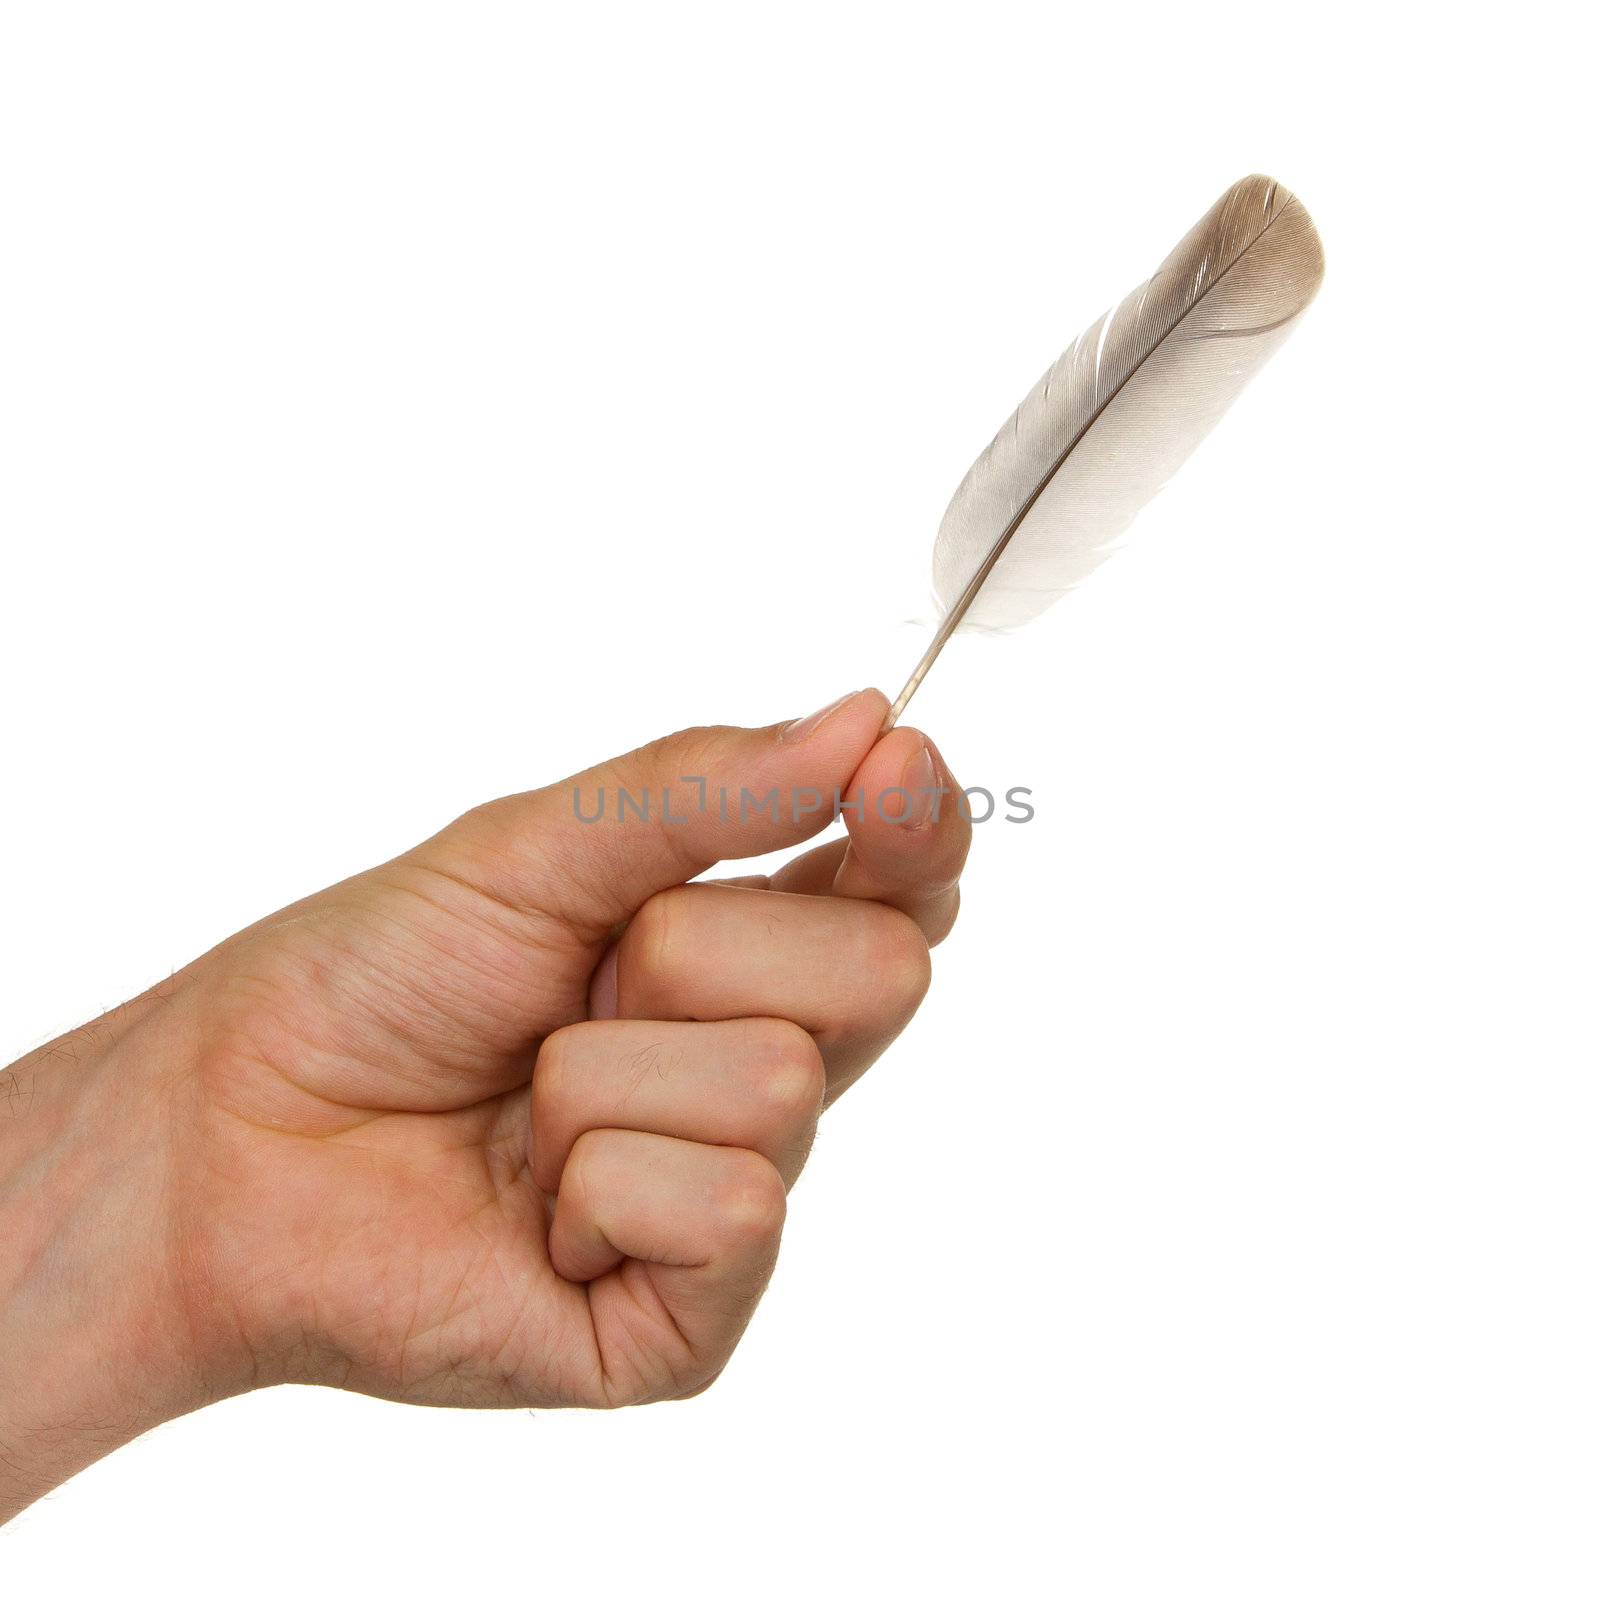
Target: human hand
506,1121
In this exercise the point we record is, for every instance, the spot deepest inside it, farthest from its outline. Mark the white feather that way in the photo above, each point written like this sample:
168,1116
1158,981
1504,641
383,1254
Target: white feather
1121,410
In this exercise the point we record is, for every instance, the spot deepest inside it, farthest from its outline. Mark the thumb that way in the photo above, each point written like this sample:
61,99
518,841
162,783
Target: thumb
593,848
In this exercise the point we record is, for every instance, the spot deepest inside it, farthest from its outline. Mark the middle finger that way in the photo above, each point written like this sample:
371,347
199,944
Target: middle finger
850,972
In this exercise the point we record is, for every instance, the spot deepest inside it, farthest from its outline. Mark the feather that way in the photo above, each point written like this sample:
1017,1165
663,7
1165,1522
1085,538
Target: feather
1121,410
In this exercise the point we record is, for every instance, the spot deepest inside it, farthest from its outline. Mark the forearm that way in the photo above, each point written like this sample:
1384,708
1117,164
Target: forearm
94,1340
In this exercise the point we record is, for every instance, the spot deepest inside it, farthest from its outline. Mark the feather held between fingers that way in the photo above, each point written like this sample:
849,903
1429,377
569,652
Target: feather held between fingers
1119,412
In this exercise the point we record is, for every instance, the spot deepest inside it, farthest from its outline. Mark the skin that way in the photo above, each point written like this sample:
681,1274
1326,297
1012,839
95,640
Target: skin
507,1121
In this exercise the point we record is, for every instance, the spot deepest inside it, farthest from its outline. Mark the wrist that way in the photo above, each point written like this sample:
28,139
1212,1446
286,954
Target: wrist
98,1335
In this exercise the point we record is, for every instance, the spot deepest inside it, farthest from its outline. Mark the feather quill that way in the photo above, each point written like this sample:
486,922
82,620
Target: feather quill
1121,410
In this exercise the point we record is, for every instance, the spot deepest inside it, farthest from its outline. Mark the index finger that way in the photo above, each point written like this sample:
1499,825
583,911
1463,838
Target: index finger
909,833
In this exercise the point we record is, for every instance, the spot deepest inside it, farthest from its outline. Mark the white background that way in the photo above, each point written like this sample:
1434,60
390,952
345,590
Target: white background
404,404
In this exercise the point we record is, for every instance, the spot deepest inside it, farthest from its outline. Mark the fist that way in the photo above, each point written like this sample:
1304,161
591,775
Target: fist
511,1120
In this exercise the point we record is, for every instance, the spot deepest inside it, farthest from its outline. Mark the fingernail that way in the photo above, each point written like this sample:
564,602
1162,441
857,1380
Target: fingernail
921,783
941,768
804,727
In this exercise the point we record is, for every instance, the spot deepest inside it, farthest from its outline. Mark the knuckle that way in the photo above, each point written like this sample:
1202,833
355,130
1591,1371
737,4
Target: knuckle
553,1076
750,1200
478,844
645,957
692,749
789,1074
676,757
897,956
478,828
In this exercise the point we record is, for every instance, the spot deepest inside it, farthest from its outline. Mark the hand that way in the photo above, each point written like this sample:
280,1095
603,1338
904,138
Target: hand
506,1121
